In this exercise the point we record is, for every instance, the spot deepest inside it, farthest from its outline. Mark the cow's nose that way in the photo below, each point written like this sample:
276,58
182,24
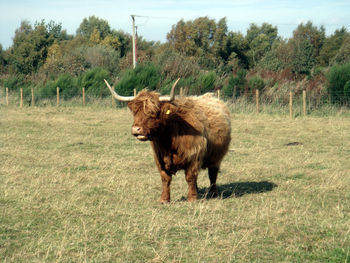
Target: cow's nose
136,130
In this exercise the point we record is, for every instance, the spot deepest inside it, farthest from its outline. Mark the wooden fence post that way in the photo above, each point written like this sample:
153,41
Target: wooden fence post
21,102
304,102
257,100
33,99
7,96
83,96
135,92
181,92
58,96
219,94
291,104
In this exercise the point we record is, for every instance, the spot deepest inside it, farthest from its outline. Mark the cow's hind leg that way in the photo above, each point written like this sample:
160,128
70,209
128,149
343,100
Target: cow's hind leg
213,174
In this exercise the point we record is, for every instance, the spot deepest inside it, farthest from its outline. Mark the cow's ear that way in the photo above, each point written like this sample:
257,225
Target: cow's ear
168,110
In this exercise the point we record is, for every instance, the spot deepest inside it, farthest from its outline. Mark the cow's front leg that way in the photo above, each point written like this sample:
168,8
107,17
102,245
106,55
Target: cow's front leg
166,180
191,178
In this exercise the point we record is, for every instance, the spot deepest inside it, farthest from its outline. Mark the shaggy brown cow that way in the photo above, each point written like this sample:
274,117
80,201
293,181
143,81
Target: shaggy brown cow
185,133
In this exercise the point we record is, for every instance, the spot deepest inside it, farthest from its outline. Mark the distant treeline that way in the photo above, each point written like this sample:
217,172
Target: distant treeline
203,53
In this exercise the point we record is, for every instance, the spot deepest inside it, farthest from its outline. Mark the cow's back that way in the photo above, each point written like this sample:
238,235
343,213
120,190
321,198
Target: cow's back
217,128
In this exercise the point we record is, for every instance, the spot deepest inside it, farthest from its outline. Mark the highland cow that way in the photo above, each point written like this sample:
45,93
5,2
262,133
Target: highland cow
186,133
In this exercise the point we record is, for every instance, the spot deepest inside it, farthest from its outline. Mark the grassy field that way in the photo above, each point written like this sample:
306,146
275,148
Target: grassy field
75,186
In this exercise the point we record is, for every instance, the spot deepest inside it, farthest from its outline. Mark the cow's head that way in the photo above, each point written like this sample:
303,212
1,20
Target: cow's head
149,110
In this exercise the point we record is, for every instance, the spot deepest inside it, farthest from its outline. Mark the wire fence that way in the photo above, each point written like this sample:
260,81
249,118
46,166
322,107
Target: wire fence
289,103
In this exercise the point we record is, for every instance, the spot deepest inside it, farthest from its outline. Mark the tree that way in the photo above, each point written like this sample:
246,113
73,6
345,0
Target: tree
29,47
267,29
220,40
303,59
56,32
236,48
175,65
2,60
91,24
202,38
343,54
66,57
307,42
278,57
260,40
331,46
102,56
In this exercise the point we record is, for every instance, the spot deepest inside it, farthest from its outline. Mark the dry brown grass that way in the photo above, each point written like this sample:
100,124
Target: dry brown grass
76,187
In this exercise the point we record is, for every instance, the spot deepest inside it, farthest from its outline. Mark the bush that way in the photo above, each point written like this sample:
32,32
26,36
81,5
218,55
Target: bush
15,82
347,90
143,76
167,84
338,87
206,82
236,84
68,86
93,83
46,91
256,83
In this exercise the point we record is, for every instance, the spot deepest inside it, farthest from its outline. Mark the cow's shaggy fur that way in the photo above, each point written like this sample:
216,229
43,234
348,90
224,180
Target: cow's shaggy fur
188,133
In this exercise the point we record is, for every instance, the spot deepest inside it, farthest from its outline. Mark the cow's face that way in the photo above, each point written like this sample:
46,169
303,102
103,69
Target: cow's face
146,109
149,110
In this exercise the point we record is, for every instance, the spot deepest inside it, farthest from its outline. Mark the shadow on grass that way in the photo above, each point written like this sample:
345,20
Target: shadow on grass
239,189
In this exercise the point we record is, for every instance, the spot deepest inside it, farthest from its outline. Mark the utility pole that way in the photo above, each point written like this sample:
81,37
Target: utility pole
133,42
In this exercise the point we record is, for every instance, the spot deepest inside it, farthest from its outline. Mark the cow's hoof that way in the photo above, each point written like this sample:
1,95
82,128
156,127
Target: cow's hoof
192,199
213,194
164,201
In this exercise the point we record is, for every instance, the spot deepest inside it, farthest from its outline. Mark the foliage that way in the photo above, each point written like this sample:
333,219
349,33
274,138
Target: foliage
277,58
175,65
256,83
2,59
93,82
343,54
347,90
306,44
68,86
236,85
15,82
143,76
101,56
338,83
203,52
47,90
206,82
94,27
332,45
203,38
30,46
303,58
260,40
237,48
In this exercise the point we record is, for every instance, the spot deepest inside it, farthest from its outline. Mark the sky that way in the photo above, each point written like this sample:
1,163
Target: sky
156,17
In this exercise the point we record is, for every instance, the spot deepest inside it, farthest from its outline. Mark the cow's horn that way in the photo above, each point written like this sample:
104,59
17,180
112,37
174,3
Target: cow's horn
172,93
118,97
